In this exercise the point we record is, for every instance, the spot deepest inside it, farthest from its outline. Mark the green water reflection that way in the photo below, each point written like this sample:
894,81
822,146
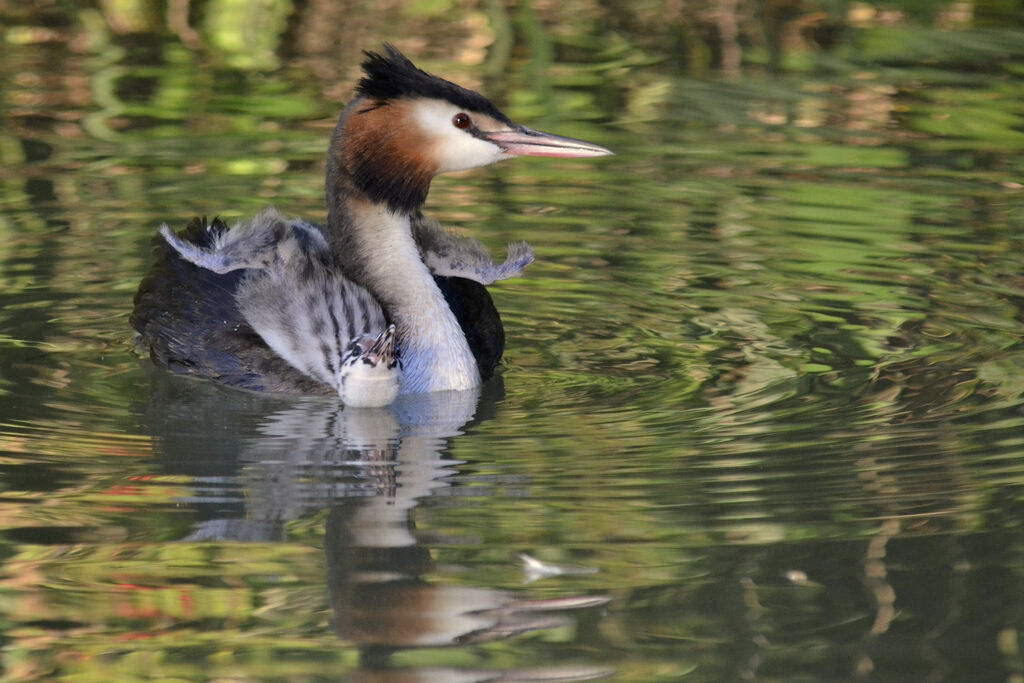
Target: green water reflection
765,377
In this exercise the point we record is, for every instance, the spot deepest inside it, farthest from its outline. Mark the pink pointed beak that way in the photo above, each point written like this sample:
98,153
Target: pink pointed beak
526,142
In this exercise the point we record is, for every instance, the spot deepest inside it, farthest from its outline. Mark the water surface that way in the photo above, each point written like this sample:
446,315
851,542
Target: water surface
760,413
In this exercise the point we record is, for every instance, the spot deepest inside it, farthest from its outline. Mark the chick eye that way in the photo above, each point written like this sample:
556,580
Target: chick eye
461,120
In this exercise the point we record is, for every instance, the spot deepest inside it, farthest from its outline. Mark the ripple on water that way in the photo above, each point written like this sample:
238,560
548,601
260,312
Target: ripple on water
777,336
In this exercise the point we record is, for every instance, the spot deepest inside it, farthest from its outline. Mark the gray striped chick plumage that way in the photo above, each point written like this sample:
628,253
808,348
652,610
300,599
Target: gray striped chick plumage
294,296
297,299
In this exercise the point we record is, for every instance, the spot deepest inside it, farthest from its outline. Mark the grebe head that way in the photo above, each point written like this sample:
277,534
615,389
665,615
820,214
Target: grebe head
370,373
406,126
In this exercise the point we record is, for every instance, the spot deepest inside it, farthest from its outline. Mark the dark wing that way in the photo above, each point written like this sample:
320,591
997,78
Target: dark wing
188,318
478,318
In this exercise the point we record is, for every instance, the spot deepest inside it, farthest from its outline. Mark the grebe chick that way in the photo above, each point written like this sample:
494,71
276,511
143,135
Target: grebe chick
294,294
370,373
271,304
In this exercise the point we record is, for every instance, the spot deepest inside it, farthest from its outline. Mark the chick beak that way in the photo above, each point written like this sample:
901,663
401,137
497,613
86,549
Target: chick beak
383,349
526,142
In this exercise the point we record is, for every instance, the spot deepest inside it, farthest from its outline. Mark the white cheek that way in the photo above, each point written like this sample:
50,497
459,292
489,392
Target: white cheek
453,148
462,151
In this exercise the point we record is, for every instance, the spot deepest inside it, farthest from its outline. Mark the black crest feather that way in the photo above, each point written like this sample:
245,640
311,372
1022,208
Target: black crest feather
392,75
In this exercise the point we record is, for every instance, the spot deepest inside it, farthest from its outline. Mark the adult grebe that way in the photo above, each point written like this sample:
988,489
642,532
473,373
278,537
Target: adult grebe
273,304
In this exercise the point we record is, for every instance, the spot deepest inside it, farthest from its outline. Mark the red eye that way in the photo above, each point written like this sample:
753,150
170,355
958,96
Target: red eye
461,120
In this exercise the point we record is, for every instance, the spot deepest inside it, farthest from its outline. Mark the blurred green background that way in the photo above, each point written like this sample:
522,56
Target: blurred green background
766,375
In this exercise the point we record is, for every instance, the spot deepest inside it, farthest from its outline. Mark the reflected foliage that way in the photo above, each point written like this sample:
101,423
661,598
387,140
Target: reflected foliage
766,376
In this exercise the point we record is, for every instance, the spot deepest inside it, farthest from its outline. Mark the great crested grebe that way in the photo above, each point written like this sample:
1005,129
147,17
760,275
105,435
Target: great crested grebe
274,304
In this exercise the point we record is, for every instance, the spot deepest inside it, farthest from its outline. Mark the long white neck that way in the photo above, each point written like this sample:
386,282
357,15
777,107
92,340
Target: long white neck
380,254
